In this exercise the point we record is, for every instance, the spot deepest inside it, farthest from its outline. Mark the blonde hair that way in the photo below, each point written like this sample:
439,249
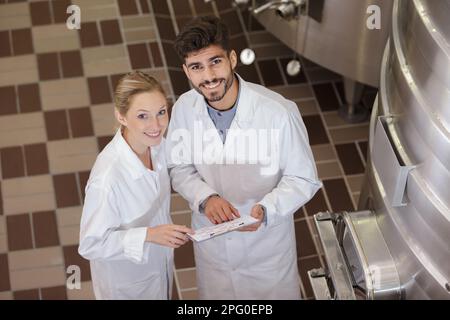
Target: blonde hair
132,84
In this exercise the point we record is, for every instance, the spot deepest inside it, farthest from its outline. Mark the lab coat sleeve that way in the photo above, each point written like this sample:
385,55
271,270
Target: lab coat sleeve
184,176
100,238
299,181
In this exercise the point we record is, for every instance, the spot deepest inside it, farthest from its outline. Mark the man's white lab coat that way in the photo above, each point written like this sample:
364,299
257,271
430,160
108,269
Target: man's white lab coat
123,198
281,175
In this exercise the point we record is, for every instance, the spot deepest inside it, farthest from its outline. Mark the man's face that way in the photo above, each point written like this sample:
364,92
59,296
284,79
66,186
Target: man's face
210,71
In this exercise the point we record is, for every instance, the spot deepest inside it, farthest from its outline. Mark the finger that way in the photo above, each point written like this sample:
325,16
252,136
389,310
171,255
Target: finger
183,229
223,214
211,217
235,211
180,236
228,212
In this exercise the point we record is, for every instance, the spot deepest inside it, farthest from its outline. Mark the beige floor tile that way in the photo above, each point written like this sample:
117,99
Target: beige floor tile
295,91
15,16
103,119
141,22
37,278
307,107
328,170
64,94
3,243
189,295
355,198
35,258
350,134
140,35
105,60
86,292
55,38
187,279
355,182
69,235
183,219
332,119
97,10
30,194
22,129
158,73
2,224
73,155
323,152
6,295
67,217
178,203
18,70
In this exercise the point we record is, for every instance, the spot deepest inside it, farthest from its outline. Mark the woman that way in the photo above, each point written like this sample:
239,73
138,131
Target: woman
126,230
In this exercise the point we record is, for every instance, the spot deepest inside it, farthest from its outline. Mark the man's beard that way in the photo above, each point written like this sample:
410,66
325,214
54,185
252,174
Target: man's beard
227,83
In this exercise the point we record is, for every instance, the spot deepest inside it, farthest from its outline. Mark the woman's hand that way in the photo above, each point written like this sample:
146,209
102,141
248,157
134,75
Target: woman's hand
169,235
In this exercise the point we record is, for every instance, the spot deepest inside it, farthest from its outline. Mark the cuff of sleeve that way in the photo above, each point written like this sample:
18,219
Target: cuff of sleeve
205,194
270,216
133,244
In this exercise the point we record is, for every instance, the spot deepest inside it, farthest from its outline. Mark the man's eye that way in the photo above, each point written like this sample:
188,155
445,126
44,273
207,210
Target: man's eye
195,68
216,61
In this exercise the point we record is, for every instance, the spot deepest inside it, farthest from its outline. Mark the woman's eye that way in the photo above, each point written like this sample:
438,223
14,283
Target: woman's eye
162,112
142,116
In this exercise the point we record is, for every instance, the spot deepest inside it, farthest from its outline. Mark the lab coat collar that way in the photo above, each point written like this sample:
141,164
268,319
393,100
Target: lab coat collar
244,109
131,162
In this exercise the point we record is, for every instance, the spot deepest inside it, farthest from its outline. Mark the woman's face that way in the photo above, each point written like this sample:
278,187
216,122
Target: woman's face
145,121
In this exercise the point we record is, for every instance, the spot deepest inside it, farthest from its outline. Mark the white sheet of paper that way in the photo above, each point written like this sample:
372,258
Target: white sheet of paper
215,230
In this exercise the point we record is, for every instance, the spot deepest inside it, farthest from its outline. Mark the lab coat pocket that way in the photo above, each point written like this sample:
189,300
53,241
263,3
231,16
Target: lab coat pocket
149,289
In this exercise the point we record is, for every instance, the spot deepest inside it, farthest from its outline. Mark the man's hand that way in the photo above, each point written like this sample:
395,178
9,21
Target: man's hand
219,210
258,213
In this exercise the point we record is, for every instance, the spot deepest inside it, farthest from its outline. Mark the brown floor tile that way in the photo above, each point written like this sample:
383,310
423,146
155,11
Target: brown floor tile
179,82
350,159
45,229
12,162
156,54
316,129
5,47
363,146
250,22
83,178
249,73
231,19
56,125
22,42
238,44
32,294
99,90
54,293
71,257
338,195
89,35
182,20
300,78
171,56
36,159
110,32
8,99
102,142
40,13
316,204
270,73
66,190
1,200
71,64
48,66
184,256
165,27
5,285
174,292
29,97
202,8
181,8
305,243
81,122
223,5
139,56
144,6
19,232
60,10
127,7
304,265
160,7
115,80
326,97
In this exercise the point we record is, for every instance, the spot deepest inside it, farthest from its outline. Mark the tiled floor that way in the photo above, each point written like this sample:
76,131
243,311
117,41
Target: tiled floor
56,114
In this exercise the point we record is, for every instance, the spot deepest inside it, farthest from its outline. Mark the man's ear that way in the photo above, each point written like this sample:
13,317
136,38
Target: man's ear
186,71
233,59
120,118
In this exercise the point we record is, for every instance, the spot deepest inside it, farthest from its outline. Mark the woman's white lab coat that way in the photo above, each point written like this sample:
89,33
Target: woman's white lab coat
244,265
123,198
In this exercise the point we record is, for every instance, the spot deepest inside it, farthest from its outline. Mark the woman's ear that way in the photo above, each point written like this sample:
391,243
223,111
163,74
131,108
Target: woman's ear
120,118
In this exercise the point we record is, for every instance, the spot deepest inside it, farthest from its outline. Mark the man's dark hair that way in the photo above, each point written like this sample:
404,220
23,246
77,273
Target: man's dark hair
200,33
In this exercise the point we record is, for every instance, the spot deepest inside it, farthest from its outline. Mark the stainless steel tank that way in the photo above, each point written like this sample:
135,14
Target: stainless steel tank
337,34
398,245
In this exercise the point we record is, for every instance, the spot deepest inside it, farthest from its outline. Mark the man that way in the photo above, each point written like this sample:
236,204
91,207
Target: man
236,148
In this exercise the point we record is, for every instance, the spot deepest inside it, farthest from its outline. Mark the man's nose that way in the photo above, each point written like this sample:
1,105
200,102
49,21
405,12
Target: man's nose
209,74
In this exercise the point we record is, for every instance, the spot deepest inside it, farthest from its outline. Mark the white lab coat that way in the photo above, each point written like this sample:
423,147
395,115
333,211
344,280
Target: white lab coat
123,198
244,265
